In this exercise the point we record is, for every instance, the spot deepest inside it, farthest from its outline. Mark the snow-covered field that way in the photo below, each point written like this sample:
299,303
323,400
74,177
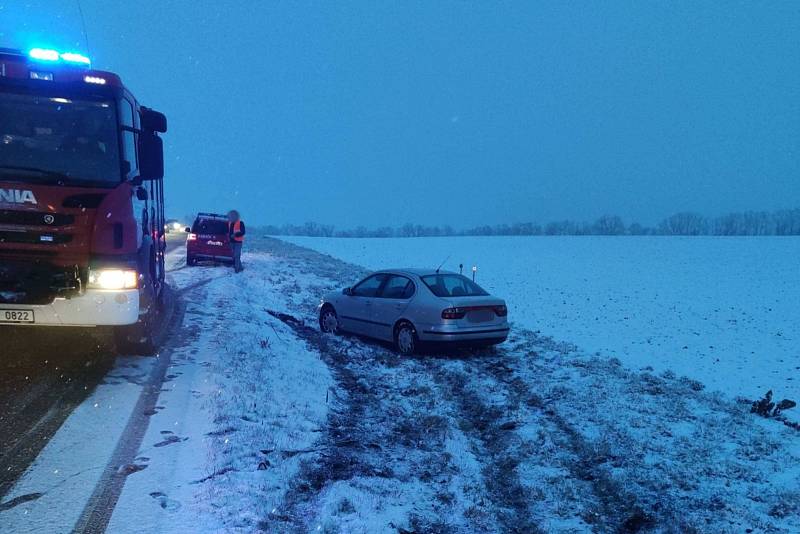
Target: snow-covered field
723,311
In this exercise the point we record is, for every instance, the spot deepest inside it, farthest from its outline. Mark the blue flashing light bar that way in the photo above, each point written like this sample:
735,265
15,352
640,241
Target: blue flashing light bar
43,54
72,57
46,54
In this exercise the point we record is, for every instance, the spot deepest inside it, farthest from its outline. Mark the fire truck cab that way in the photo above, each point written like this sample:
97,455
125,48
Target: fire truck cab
81,199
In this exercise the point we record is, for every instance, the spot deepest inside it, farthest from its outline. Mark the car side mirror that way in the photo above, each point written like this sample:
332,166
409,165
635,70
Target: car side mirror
347,291
187,230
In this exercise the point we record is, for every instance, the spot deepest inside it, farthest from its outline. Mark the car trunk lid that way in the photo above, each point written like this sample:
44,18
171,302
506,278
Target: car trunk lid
478,311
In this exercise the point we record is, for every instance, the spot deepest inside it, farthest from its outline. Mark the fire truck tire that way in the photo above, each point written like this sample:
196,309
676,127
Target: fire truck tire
137,339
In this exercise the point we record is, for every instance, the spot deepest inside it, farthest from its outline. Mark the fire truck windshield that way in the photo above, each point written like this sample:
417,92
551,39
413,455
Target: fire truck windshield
46,139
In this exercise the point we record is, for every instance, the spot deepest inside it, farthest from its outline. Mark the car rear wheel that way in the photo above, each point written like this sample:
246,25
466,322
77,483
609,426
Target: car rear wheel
191,261
328,320
405,338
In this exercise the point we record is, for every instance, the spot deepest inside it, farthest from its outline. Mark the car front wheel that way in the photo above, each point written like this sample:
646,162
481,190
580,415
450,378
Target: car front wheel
328,320
405,338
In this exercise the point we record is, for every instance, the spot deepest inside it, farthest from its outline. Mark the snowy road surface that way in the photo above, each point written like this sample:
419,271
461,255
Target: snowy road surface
260,423
44,375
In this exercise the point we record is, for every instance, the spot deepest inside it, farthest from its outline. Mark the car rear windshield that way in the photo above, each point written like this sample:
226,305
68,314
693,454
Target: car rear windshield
453,285
210,226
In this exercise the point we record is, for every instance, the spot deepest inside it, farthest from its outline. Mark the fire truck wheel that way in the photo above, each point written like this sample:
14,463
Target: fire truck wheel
136,339
139,339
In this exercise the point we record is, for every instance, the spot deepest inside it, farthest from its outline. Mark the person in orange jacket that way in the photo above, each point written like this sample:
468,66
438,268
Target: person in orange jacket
236,233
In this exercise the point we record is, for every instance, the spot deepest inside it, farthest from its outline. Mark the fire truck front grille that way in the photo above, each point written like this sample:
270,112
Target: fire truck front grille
35,218
34,238
37,283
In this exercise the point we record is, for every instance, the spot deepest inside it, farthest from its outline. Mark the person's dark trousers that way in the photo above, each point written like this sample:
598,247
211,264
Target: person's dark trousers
237,256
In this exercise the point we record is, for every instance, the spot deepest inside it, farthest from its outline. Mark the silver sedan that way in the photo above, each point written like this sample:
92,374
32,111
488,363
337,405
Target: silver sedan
409,306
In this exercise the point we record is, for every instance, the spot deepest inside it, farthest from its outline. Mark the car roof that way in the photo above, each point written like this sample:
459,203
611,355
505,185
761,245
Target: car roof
414,271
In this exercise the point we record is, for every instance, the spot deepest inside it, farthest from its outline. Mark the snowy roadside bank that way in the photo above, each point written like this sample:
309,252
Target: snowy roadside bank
230,391
241,392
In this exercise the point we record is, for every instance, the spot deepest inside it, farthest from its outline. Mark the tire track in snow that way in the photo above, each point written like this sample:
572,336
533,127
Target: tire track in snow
98,510
378,428
615,509
617,425
483,422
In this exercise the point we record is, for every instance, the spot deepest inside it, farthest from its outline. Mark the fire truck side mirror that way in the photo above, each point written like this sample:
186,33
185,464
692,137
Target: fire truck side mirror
151,156
153,120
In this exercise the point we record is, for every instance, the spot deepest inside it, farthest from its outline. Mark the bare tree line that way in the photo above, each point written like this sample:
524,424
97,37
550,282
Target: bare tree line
749,223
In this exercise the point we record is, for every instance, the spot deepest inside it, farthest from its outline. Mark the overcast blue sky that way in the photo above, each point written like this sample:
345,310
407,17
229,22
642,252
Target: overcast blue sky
454,112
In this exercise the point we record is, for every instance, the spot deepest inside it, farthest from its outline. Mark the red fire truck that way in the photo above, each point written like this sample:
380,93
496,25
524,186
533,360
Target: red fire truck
81,199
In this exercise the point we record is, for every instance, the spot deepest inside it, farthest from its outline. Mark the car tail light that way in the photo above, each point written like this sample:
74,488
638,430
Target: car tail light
192,237
454,313
501,310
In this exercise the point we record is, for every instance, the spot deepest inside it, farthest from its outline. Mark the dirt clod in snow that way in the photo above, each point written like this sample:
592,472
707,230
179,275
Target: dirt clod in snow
129,469
765,407
637,522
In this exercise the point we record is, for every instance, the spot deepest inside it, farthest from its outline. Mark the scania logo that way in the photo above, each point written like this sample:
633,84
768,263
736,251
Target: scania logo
49,219
17,196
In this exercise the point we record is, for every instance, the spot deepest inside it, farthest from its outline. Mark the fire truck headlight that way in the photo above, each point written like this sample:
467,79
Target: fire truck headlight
113,279
94,79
